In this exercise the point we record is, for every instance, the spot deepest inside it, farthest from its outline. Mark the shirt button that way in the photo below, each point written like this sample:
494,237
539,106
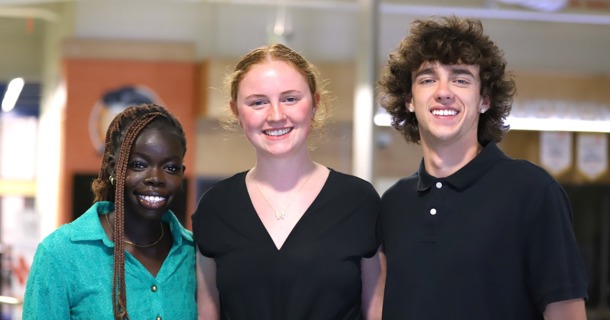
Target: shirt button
153,288
158,318
432,211
439,185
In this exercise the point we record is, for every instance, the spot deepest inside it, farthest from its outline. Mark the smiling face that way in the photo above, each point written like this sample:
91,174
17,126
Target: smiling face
154,171
447,103
275,107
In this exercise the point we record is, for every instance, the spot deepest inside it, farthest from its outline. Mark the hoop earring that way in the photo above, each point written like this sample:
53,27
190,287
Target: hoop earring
111,179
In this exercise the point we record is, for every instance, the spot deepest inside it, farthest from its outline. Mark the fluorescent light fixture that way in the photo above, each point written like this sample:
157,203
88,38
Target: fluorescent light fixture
556,124
9,300
383,119
542,5
12,94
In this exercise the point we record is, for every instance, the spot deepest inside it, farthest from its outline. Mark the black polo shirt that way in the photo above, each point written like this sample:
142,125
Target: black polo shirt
492,241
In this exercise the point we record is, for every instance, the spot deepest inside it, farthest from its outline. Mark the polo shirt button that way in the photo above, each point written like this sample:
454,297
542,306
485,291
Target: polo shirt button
153,288
439,185
158,318
432,211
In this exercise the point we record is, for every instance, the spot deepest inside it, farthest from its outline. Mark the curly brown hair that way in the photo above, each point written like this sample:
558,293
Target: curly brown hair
120,137
448,40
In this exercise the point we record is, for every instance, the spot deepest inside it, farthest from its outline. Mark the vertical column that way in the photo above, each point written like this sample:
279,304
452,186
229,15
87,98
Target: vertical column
364,100
604,258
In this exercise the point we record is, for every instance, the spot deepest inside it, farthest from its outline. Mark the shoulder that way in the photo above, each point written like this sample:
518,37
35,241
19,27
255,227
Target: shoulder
58,240
229,194
59,247
226,185
523,174
408,183
79,229
346,183
223,189
177,229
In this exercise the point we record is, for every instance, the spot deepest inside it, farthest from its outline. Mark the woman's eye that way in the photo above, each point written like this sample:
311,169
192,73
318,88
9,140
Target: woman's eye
257,103
291,100
173,169
136,165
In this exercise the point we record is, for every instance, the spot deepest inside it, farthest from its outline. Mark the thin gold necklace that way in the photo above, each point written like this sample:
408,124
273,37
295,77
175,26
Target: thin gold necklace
135,244
280,214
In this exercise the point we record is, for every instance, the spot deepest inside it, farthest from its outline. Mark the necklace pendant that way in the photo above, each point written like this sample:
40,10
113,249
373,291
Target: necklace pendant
279,215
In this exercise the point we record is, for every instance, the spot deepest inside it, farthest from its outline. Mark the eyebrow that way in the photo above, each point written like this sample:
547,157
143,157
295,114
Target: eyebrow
292,91
255,96
454,70
457,70
425,71
287,92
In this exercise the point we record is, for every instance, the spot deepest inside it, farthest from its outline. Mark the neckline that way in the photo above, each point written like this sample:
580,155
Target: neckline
302,220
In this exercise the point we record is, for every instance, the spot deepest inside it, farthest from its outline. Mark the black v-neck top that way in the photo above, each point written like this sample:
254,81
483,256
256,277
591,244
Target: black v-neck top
316,273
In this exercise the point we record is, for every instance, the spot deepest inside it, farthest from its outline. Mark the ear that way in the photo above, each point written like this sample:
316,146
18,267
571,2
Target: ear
234,108
316,102
235,112
485,104
111,165
409,105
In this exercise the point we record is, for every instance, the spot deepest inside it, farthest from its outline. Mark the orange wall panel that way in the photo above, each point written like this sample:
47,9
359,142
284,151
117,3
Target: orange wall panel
88,79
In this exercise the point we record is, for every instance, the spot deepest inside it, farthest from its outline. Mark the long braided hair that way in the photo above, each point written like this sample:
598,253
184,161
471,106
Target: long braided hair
122,133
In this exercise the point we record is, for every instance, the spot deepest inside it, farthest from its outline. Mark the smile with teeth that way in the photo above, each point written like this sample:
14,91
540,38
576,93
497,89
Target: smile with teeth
444,112
277,132
152,201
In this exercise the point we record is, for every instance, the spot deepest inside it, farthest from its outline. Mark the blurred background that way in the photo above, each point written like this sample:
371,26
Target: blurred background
66,67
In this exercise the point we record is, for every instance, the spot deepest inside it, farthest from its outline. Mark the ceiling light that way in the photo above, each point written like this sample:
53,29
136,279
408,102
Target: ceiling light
540,5
12,94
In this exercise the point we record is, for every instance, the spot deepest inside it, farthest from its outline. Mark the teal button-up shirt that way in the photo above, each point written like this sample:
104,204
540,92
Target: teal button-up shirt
71,276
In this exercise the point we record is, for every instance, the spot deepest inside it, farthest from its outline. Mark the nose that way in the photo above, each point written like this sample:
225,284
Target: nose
276,113
154,177
443,93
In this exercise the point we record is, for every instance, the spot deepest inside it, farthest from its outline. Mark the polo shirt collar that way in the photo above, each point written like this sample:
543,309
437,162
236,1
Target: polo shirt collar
467,175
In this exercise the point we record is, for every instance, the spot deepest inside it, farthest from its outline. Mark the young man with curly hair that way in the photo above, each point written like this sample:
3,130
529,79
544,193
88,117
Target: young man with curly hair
473,234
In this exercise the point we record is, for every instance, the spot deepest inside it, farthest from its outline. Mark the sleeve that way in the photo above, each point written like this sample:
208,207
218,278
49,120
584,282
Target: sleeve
206,224
46,294
360,200
556,267
372,207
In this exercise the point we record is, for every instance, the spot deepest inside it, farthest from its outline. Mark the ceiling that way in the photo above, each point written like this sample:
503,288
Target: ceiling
569,36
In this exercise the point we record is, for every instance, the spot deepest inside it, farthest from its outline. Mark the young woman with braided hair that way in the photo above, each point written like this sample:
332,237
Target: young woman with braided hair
128,243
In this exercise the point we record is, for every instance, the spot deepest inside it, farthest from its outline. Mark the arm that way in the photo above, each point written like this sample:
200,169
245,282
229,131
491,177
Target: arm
557,270
373,284
566,310
46,295
208,307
